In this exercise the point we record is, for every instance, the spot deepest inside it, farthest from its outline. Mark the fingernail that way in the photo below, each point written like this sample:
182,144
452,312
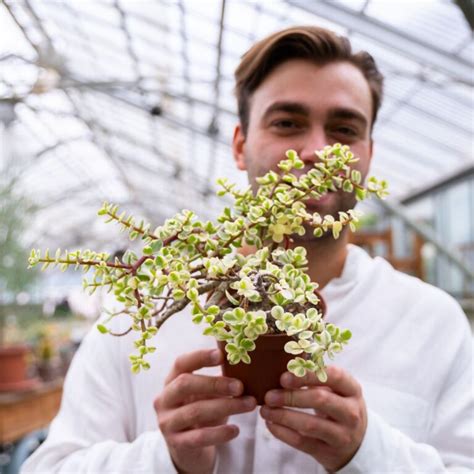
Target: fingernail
249,402
215,356
265,411
286,379
272,398
235,387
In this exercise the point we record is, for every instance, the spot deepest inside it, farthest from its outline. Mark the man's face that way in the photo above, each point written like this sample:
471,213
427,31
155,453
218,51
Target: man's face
304,107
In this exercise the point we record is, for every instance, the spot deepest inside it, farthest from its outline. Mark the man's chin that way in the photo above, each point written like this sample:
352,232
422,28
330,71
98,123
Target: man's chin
326,201
330,204
323,206
309,237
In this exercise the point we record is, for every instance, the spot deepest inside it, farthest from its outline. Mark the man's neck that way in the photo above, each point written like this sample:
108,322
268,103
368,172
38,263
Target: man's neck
326,258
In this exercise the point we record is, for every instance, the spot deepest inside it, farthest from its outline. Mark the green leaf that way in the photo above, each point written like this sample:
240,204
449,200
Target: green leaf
230,318
292,347
213,310
192,294
232,349
347,186
318,232
336,229
135,368
247,344
156,245
231,298
346,335
102,329
178,294
174,277
360,193
198,318
322,376
147,250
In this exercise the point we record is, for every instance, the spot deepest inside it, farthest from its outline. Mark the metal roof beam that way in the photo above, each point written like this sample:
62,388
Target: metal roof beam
428,235
390,37
59,144
217,82
168,117
446,181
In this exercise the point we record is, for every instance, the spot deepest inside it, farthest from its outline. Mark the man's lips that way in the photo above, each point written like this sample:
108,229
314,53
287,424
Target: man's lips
325,199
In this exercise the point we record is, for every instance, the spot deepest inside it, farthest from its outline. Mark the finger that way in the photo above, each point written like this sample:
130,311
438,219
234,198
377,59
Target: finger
221,421
204,413
318,398
295,439
338,380
289,380
307,425
186,385
195,360
197,397
202,437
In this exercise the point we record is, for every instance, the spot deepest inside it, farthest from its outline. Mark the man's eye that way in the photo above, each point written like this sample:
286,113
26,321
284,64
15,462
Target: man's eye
350,132
284,124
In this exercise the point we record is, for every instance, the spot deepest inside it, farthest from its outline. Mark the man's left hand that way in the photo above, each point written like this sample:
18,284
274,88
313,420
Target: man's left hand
334,433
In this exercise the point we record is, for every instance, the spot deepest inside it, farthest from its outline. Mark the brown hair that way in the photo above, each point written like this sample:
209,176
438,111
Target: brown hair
317,45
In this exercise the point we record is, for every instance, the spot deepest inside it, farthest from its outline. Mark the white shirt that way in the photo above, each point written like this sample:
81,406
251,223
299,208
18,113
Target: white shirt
411,351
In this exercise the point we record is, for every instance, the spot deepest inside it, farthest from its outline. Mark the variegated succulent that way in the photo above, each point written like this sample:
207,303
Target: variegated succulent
238,297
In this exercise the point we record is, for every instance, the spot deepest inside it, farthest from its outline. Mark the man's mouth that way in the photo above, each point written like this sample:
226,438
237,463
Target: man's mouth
323,200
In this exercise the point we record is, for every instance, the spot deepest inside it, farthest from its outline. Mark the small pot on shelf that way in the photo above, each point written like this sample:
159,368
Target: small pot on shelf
14,369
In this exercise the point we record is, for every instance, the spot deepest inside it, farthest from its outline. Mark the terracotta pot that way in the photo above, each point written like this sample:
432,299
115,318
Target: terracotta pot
269,361
13,369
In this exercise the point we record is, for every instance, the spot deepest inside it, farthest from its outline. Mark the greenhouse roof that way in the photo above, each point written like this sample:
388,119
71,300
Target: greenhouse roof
132,101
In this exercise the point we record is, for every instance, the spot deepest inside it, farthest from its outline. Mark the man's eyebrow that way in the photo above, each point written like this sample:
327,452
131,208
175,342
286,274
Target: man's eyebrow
350,114
288,107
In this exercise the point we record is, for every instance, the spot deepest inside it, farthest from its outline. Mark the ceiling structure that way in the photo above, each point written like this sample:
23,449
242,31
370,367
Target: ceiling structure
132,101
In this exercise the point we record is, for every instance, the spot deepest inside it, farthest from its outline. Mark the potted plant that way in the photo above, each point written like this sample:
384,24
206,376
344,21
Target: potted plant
241,299
14,280
45,355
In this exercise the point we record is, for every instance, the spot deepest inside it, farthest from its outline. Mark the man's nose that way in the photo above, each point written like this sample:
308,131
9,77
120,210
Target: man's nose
315,140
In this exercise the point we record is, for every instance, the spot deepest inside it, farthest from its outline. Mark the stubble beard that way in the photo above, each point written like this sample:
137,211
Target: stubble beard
343,202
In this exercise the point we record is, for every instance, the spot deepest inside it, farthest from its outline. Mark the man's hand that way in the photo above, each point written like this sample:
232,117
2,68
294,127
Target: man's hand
334,433
193,409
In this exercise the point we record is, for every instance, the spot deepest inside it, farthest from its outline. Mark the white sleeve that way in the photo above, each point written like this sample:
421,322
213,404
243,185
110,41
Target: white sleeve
94,429
449,446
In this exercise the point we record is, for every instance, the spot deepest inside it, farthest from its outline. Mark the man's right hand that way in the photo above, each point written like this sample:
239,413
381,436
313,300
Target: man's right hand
193,409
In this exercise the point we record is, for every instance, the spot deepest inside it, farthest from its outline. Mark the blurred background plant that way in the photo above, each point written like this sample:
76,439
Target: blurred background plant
15,280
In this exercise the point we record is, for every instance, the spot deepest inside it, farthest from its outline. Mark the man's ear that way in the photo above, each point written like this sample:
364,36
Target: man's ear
238,145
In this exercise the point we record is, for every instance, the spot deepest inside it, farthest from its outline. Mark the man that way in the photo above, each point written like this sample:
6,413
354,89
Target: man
399,398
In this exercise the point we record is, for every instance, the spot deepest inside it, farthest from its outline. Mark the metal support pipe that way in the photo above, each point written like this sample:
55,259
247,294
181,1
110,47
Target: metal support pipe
453,66
397,210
